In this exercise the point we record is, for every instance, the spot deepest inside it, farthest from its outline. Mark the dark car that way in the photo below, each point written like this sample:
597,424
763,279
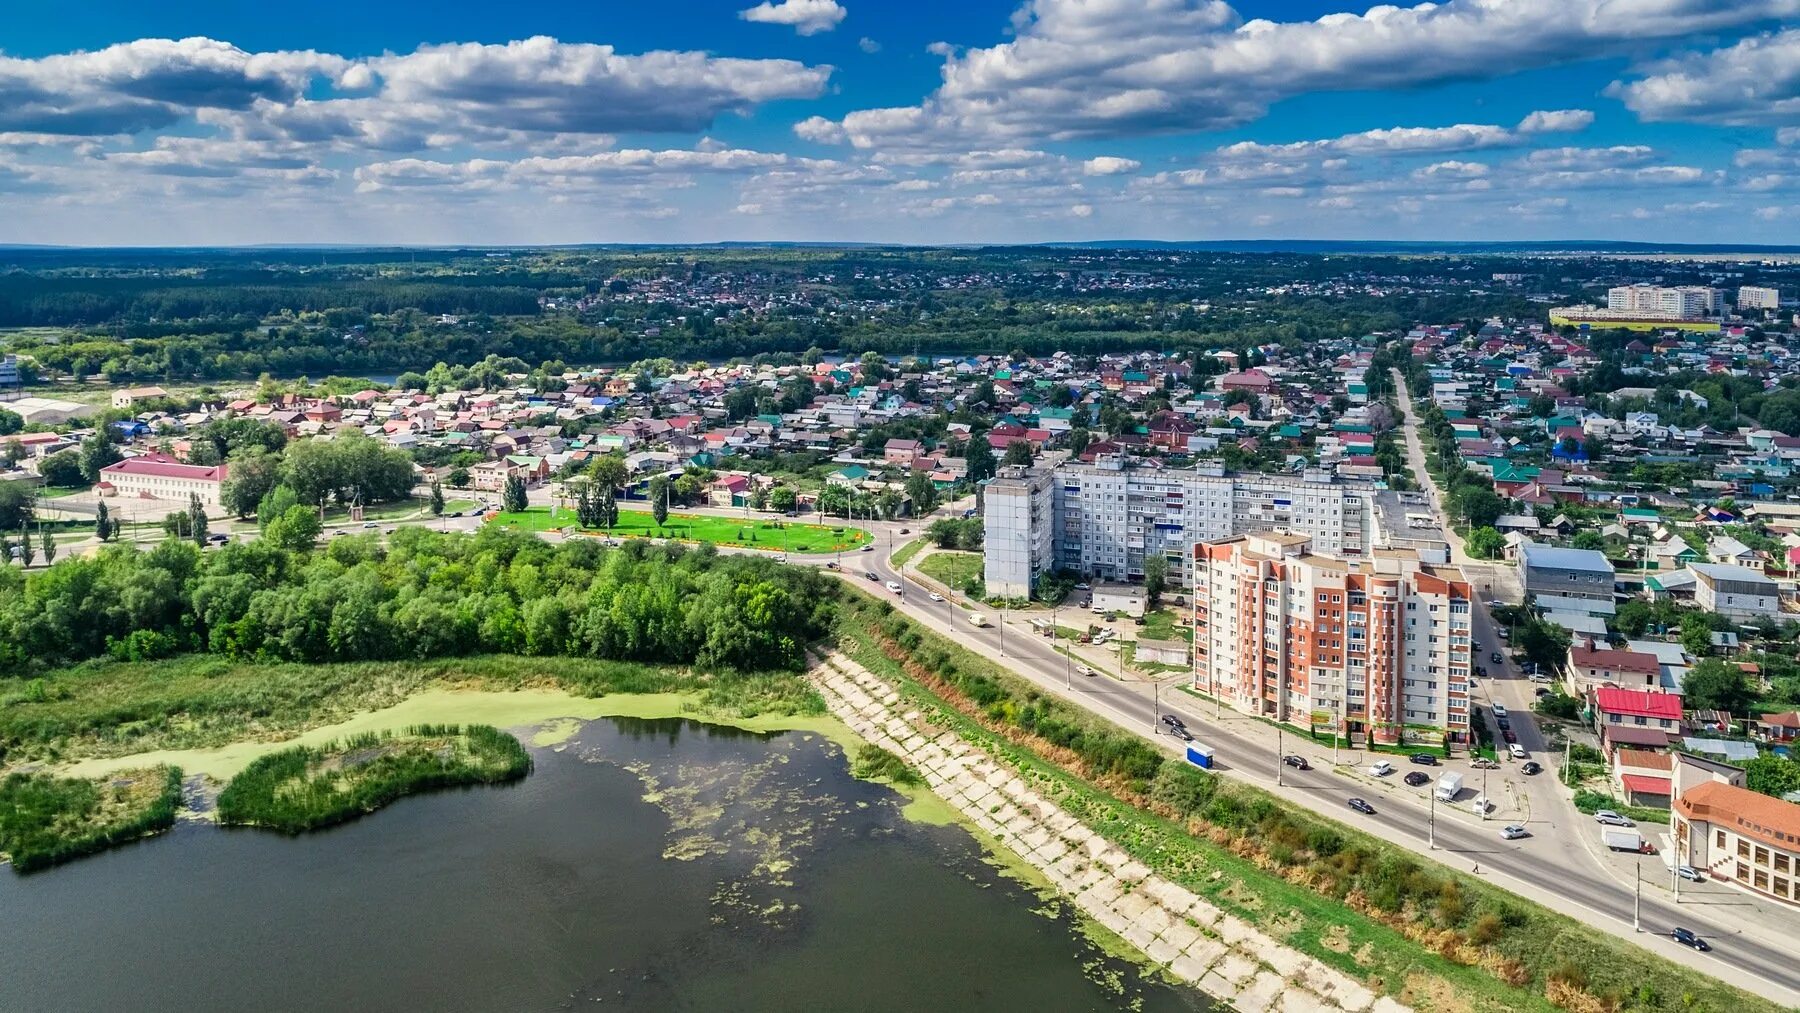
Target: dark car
1417,778
459,513
1496,658
1541,691
1505,724
1182,733
1511,736
1423,759
1686,937
1532,767
871,574
1296,761
1172,721
1362,807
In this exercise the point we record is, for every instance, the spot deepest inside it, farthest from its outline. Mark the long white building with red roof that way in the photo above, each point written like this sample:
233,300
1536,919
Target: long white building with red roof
159,476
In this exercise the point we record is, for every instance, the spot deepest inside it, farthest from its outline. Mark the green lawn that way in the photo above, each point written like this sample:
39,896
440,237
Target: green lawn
774,535
1163,625
907,552
954,569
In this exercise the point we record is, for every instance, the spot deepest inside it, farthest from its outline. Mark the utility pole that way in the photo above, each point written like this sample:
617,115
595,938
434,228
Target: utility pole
1155,699
1431,824
1484,795
1637,896
1279,763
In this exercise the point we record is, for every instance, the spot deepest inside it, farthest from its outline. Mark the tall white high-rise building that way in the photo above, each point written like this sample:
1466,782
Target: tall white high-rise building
1367,648
1753,297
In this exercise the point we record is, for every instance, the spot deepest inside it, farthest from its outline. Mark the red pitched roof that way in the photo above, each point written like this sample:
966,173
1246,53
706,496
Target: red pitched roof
1613,700
164,466
1644,784
1621,661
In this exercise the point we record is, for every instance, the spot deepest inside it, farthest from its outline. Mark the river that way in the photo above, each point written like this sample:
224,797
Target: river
644,865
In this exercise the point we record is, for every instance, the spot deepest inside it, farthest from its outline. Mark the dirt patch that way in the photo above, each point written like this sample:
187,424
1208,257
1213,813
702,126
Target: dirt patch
1427,991
1335,938
1242,896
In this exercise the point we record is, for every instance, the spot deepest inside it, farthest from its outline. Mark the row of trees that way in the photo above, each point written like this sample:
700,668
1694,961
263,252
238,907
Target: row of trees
424,594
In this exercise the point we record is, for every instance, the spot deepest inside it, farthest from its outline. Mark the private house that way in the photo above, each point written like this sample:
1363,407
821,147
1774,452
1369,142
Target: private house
1641,777
125,397
1568,573
1783,727
1631,708
1737,592
1591,668
1739,836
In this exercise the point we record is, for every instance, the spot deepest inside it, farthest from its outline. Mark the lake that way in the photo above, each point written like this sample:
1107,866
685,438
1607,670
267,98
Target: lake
644,865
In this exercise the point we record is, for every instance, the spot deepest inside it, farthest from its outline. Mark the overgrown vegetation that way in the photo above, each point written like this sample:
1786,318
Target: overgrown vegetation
305,788
103,708
1405,925
874,763
46,820
1591,802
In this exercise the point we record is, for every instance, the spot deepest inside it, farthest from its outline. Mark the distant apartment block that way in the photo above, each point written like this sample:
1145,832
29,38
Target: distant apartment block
1105,519
1752,297
1686,302
1367,647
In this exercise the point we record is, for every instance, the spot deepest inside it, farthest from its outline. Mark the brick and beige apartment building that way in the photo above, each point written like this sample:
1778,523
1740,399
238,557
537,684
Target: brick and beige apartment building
1369,646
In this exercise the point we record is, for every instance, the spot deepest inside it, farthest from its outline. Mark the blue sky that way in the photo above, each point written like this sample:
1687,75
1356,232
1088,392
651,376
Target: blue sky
923,122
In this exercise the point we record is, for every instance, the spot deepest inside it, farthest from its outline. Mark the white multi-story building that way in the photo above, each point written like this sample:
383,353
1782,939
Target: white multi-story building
1016,522
1366,647
1752,297
1104,519
1687,302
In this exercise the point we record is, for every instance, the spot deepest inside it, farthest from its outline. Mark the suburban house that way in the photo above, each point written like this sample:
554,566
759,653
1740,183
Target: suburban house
1783,727
159,476
1567,573
1642,776
1591,668
1737,592
125,397
1633,708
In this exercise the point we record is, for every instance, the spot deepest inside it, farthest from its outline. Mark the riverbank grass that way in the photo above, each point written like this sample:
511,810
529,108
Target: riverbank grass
772,535
47,820
305,788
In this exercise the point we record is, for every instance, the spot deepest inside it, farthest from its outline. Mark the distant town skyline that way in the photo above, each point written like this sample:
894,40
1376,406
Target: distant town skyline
851,120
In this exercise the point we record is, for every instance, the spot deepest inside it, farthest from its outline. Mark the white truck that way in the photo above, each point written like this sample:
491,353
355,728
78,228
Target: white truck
977,620
1449,786
1622,840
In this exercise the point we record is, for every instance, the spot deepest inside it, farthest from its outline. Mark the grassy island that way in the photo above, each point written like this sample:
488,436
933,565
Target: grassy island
773,534
305,788
47,820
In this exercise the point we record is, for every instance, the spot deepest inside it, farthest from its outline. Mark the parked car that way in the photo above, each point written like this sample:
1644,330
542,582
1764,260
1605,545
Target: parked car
1612,819
1686,937
1381,768
1505,725
1513,832
1423,759
1509,735
1362,807
1082,587
1541,691
1516,751
1483,763
1496,657
371,524
1532,767
1296,761
1689,873
934,596
1499,710
1417,778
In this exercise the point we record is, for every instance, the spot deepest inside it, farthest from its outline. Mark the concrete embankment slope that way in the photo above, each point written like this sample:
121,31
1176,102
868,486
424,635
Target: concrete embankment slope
1194,940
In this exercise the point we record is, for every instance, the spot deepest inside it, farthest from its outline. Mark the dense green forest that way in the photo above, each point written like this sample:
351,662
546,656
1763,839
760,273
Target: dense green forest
423,595
238,314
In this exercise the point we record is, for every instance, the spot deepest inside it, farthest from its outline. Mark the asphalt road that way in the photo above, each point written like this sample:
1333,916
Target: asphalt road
1553,866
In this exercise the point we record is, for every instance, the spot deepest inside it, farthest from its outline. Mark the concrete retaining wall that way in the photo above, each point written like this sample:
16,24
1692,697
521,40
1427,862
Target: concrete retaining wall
1198,943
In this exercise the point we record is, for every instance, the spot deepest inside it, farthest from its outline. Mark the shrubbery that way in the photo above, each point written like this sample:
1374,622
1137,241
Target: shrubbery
46,820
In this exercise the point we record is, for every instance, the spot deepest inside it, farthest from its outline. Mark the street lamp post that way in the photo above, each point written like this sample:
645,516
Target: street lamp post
1278,761
1637,896
1484,795
1431,825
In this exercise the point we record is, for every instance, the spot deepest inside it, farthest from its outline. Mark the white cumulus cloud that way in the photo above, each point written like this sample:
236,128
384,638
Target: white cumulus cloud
807,17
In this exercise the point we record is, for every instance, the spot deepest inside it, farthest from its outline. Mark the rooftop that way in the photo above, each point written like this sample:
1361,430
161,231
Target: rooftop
1613,700
1558,558
1749,813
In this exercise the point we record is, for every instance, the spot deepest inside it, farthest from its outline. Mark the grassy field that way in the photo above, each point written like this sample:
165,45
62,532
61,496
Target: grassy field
960,570
305,788
46,820
1428,935
754,532
110,709
1162,624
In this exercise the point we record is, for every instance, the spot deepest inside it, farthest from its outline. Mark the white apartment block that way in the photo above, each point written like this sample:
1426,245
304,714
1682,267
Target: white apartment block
1104,519
1686,302
1017,529
1752,297
1367,647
